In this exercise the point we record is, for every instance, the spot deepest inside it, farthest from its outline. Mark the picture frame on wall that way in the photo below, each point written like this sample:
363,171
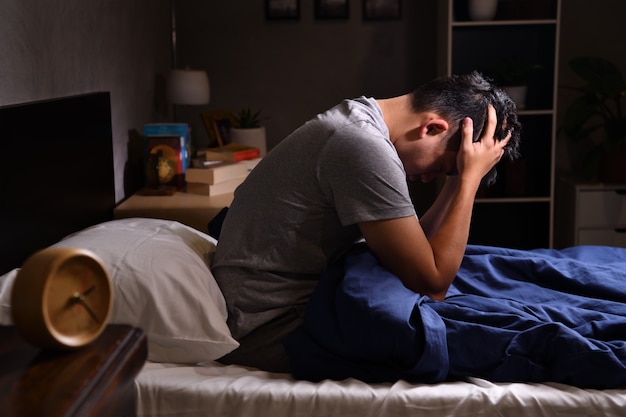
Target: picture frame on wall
282,9
332,9
382,9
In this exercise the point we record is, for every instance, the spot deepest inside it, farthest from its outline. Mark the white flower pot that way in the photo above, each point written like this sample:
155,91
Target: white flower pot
482,9
250,137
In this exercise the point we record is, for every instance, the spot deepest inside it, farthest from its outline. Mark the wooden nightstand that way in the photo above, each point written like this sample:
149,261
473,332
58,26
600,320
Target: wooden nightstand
191,209
97,380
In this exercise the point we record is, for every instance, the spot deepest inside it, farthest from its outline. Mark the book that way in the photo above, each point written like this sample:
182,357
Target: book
233,152
216,172
223,187
251,163
164,160
172,129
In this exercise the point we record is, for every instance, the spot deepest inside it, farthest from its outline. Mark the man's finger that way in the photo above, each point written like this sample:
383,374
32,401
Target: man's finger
492,121
468,131
506,140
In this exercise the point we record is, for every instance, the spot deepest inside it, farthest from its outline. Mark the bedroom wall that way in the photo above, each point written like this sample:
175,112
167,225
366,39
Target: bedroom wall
294,69
291,69
65,47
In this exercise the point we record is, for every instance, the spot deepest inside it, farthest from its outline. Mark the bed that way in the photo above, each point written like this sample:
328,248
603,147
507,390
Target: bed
163,284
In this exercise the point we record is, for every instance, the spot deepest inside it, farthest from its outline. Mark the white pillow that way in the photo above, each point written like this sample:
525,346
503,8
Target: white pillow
162,284
6,284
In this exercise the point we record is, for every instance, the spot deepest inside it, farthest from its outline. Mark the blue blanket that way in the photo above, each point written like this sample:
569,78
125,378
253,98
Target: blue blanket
510,315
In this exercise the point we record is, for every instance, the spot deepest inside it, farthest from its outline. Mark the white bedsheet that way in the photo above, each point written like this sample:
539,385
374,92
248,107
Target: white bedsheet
212,389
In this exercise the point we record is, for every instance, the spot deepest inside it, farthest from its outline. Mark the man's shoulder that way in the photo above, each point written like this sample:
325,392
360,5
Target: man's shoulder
356,118
360,107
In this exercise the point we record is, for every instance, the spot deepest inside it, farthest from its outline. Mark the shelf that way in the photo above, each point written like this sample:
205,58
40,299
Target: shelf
481,23
509,11
534,112
503,200
517,211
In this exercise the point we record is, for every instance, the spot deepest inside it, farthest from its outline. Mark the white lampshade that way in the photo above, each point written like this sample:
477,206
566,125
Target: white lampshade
190,87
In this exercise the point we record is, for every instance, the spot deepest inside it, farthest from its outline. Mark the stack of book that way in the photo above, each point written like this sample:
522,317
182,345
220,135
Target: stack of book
216,178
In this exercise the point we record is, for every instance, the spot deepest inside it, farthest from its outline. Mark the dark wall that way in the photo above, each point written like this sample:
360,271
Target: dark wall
294,69
290,69
66,47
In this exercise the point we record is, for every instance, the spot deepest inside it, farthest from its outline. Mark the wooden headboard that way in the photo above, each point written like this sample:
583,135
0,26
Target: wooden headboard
56,175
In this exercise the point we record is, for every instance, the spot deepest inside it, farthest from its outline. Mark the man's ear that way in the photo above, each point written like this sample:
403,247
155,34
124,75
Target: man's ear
434,127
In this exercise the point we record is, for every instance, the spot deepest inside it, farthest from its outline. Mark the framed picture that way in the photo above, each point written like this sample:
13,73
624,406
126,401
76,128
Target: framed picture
282,9
217,125
332,9
382,9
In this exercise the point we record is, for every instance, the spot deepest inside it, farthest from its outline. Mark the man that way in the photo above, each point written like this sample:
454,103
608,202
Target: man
342,177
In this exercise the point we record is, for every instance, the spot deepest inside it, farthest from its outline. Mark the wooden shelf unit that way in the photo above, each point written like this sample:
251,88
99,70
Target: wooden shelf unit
518,211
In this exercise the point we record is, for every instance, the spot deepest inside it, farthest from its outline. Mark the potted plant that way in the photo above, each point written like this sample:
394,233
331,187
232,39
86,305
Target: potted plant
597,118
512,74
248,129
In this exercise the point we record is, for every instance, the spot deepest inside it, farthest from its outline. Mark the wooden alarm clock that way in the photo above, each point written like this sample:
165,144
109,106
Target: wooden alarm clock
61,298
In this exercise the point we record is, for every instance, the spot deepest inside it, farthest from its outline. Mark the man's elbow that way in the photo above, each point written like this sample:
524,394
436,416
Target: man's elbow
439,296
437,292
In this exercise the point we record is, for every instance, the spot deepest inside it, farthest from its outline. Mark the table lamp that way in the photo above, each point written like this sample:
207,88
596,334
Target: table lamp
188,87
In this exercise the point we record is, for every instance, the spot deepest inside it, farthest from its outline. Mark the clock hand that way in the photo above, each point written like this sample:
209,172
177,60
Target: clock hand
89,310
80,298
88,290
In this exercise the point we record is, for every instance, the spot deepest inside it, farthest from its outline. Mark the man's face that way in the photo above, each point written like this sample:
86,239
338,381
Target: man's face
426,159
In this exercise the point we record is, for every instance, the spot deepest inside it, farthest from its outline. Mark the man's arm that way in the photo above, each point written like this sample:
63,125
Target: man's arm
432,219
428,264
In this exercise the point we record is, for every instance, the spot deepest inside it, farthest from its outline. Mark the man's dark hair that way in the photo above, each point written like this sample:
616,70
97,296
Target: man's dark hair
459,96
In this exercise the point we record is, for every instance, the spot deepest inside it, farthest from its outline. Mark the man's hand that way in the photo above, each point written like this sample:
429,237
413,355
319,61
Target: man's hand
475,159
427,264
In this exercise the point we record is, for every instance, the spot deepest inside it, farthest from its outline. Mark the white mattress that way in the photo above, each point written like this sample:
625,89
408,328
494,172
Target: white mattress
212,389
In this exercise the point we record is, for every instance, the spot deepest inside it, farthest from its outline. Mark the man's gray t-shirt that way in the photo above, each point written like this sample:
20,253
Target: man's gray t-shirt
298,211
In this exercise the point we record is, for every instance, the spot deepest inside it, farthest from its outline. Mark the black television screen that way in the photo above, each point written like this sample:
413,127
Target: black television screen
56,172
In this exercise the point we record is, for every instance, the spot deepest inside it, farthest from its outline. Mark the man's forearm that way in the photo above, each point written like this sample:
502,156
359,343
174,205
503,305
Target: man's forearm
450,239
432,219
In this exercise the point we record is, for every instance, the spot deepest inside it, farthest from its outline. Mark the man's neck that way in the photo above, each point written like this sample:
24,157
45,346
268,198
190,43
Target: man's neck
398,115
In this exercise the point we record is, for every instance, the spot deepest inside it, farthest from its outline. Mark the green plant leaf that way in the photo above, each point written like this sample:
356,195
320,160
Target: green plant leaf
603,76
246,119
596,118
577,114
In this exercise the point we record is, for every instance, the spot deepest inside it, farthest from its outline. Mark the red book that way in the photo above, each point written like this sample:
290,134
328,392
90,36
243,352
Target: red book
233,152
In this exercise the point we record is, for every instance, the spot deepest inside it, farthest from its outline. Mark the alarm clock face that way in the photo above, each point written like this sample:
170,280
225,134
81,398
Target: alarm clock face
61,298
77,300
